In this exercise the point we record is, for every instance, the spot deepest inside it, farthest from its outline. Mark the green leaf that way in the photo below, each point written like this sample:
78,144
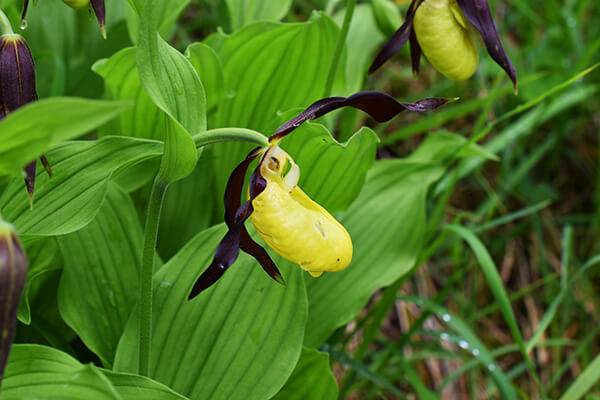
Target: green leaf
244,12
32,130
332,173
387,15
121,82
240,339
166,11
312,379
210,69
445,145
584,382
99,283
174,86
71,199
40,254
39,372
266,67
387,226
183,215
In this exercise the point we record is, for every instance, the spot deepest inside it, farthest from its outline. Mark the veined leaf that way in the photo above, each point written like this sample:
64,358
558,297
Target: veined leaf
244,12
40,372
99,283
32,130
312,379
218,345
71,199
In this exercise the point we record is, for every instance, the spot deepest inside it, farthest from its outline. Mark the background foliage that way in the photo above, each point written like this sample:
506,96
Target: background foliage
475,227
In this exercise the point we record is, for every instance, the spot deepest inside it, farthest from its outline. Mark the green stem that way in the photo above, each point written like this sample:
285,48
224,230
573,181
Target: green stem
151,232
339,47
5,25
230,135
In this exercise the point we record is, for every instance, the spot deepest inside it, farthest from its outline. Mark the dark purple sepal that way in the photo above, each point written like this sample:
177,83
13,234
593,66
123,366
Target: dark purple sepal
380,106
17,73
100,11
479,14
415,53
46,165
237,236
397,40
30,179
13,274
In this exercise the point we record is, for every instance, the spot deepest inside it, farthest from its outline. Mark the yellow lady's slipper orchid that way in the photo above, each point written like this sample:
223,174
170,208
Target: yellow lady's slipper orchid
287,219
292,224
445,37
441,30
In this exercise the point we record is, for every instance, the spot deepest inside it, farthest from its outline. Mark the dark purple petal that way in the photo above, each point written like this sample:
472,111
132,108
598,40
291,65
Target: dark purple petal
415,53
398,40
225,255
260,254
235,216
380,106
100,11
235,185
478,12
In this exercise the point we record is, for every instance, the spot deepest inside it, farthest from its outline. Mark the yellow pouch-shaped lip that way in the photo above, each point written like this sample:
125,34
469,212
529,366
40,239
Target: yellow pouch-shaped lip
293,225
445,38
76,3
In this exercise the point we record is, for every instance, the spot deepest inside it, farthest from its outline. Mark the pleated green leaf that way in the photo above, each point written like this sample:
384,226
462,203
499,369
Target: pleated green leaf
312,379
208,66
99,283
121,82
240,339
174,86
187,209
244,12
166,12
266,67
332,173
39,372
40,254
30,131
71,199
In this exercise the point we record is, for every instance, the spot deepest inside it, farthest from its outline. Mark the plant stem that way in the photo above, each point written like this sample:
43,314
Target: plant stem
157,195
229,135
5,25
339,47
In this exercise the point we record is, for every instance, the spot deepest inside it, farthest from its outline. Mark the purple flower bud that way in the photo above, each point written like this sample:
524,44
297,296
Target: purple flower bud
17,88
13,274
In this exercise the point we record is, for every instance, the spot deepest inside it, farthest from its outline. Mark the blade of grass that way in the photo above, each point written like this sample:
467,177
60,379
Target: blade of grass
584,382
470,342
553,308
495,283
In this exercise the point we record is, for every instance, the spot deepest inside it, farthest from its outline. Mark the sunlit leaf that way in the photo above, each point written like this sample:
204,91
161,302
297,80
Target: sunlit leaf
219,345
71,199
244,12
312,379
99,283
